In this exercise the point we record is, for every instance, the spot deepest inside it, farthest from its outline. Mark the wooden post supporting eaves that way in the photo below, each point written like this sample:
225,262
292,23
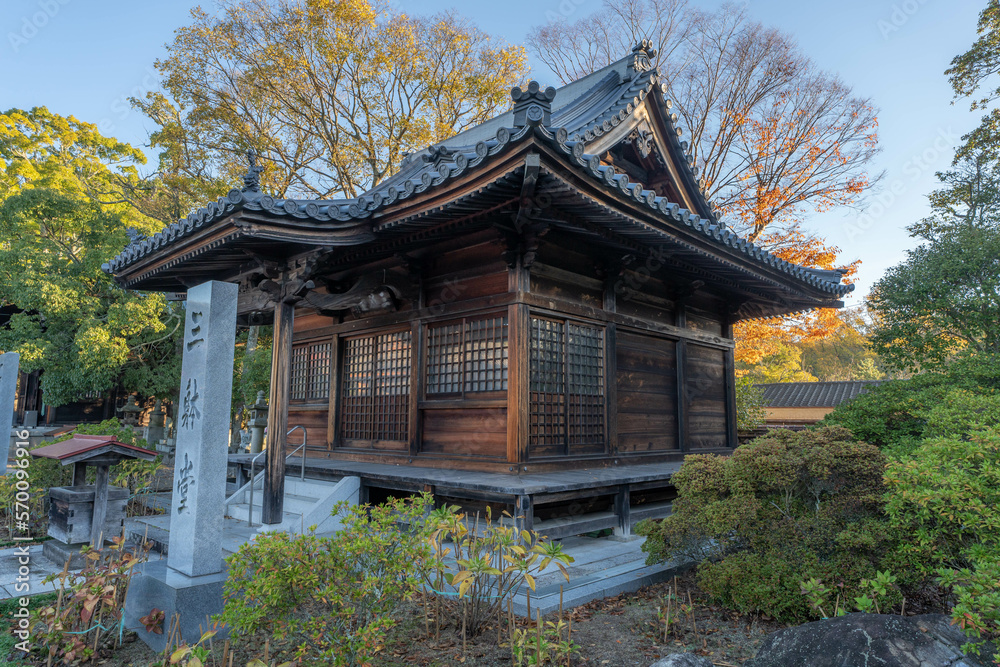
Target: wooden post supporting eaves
277,414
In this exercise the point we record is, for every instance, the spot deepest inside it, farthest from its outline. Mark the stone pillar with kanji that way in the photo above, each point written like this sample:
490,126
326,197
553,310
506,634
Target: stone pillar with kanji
8,391
199,494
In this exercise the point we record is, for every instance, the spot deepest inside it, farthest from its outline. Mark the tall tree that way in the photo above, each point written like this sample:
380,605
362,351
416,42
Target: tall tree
942,302
62,215
332,92
772,135
973,75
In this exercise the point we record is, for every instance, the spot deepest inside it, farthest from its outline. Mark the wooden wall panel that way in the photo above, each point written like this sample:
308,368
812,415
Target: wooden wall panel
309,320
705,397
457,287
568,286
315,422
474,432
647,393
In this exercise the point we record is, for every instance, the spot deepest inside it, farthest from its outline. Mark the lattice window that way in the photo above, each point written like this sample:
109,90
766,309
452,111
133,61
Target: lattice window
567,384
469,356
311,371
376,387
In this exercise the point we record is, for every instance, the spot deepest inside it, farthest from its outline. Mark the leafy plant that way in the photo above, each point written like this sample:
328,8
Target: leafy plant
333,597
89,605
487,562
784,509
894,416
543,643
875,589
750,412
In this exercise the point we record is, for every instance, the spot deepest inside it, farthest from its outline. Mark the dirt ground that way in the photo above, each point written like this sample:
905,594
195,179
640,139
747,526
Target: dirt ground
622,631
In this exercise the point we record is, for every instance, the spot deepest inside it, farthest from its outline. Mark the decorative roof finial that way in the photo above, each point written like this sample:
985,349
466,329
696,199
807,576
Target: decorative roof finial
532,106
134,235
642,56
251,179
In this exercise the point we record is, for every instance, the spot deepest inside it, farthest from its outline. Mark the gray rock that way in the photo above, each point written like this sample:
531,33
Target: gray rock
203,430
683,660
867,639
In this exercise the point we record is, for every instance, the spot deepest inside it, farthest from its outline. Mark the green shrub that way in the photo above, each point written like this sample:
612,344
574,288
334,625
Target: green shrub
894,416
486,562
750,411
334,597
783,509
946,498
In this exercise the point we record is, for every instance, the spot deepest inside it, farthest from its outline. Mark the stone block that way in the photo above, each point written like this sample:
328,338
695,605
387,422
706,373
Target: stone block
157,586
9,366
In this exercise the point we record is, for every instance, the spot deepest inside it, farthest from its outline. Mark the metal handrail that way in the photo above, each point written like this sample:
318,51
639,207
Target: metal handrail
253,461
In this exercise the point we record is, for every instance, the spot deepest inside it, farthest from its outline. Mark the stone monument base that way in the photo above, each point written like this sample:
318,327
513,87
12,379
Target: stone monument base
59,552
196,599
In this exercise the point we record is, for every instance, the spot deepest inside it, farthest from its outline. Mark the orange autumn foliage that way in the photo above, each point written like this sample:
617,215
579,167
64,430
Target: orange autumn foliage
756,339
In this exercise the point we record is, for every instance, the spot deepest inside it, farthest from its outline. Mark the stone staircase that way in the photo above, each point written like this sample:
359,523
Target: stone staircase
308,502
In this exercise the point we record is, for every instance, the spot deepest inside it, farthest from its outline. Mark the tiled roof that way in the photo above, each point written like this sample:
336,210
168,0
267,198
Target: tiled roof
90,444
813,394
567,119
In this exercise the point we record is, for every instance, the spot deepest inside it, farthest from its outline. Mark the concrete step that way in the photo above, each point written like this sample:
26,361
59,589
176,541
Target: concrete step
241,512
308,487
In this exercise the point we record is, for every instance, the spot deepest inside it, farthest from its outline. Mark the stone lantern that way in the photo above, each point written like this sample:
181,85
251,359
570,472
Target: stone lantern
130,412
258,420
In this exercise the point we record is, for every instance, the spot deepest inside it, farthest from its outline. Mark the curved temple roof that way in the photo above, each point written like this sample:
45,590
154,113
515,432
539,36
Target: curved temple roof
574,122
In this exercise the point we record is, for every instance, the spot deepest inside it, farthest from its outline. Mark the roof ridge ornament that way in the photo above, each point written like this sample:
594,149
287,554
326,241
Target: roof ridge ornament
251,179
532,106
642,56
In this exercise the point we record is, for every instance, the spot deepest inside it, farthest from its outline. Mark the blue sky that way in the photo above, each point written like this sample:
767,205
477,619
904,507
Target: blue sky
86,57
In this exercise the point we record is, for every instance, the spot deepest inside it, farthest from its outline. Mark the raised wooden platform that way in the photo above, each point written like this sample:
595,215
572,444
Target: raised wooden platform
556,504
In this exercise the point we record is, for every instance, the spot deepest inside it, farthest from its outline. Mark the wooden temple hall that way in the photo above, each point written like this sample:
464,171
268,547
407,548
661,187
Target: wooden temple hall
535,313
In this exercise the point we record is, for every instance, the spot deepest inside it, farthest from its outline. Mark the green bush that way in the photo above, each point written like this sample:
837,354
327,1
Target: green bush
750,411
334,597
894,416
946,498
783,509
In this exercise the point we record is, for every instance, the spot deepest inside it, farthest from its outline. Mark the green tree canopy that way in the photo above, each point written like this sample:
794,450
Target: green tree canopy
943,301
62,215
333,93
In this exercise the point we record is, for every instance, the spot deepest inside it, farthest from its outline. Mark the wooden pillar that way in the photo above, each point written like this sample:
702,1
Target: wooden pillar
729,366
623,508
79,473
416,387
333,408
277,414
100,507
518,390
525,512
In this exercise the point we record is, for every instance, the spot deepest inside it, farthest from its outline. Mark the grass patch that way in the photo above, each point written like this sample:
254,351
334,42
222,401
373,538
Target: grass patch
7,640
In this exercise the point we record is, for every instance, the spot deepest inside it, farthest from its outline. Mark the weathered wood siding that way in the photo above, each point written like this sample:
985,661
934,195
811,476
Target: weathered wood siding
647,394
705,397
